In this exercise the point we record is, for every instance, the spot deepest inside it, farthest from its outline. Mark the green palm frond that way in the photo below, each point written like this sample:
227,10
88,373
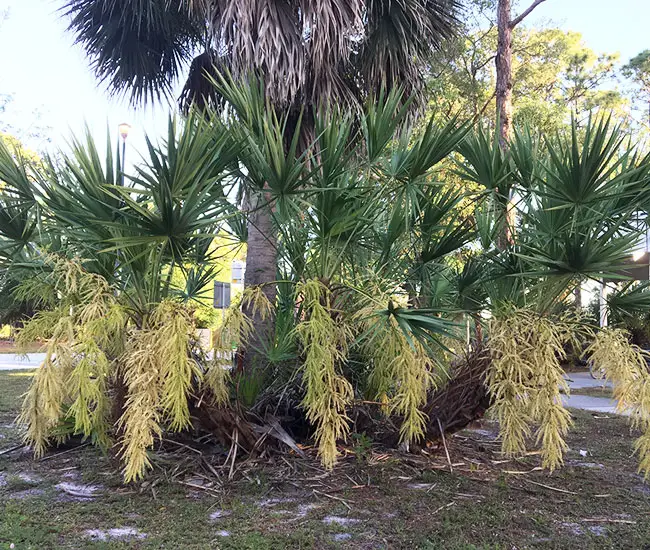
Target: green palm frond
632,299
526,152
579,218
399,32
582,249
425,325
585,169
309,51
136,46
17,175
485,163
470,284
435,144
383,115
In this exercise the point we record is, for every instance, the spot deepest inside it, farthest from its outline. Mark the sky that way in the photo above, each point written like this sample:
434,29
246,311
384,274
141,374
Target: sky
52,85
53,88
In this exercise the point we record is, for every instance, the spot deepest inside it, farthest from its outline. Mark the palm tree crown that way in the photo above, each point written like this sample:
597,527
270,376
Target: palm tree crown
307,50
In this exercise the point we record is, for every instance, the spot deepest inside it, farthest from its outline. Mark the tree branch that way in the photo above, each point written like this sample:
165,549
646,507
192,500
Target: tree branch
485,106
525,14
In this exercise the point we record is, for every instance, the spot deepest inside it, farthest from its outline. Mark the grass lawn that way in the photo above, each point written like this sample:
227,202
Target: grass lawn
594,392
74,497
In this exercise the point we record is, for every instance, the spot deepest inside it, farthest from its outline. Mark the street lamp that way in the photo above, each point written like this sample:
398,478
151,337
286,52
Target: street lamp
124,133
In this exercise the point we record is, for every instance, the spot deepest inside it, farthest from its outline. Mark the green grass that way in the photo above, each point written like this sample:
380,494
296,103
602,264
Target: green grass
13,384
474,507
605,392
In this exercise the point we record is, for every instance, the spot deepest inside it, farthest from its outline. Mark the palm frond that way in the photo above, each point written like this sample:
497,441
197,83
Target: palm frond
401,35
136,46
312,51
485,163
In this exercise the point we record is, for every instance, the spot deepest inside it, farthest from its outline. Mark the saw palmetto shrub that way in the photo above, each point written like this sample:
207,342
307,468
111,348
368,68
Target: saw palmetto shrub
91,343
525,380
389,252
626,366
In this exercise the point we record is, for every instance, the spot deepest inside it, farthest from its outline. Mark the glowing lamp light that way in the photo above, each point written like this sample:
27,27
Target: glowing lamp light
124,130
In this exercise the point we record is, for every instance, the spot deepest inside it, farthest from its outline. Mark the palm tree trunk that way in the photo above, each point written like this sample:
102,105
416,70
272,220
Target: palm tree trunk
261,269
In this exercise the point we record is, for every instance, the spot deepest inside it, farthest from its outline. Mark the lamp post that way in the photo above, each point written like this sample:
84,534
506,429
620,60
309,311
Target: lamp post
124,133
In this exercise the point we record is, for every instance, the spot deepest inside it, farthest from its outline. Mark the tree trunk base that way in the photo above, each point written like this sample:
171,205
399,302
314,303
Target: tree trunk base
453,407
226,423
463,400
460,402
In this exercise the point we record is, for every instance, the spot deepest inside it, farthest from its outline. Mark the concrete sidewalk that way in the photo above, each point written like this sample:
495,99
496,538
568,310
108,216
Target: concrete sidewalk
588,403
12,361
580,380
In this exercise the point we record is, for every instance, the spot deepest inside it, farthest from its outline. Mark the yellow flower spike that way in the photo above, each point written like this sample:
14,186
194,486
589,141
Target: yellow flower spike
327,393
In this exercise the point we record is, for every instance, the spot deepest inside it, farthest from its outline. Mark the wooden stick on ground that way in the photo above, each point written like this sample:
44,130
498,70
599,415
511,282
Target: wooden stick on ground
333,497
11,450
444,442
443,507
605,520
49,457
551,488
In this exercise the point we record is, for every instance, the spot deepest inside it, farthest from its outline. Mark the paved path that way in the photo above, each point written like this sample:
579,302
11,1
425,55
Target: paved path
11,361
584,380
579,380
588,403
